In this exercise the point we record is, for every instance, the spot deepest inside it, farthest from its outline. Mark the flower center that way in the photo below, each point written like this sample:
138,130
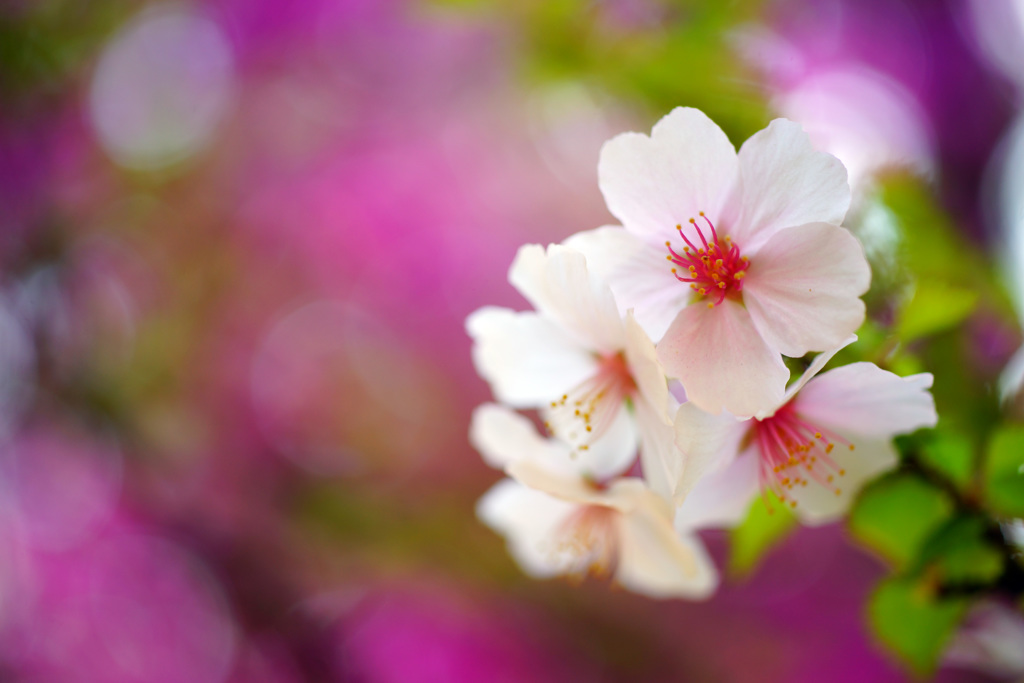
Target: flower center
585,413
591,541
715,269
794,453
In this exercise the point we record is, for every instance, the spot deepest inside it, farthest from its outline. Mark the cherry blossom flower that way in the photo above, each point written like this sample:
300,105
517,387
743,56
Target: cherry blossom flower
750,239
559,520
815,449
592,372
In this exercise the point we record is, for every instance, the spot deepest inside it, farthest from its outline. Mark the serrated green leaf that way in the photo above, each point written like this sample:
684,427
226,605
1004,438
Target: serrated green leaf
951,454
912,622
936,306
1003,472
959,554
895,515
765,526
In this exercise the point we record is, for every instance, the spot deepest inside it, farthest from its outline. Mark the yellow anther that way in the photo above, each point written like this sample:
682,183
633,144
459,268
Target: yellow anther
851,446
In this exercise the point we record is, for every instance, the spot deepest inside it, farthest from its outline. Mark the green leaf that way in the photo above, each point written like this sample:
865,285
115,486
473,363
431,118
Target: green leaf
936,306
959,554
951,454
895,515
1003,473
766,525
912,622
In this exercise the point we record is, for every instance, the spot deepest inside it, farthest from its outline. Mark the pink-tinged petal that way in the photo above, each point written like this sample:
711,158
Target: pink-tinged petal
866,401
817,504
654,560
707,443
642,359
529,520
816,366
661,461
637,272
721,498
528,360
651,184
784,181
803,288
561,288
722,361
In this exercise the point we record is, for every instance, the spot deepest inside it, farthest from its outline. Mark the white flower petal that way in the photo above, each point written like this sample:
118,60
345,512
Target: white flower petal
653,559
529,520
803,288
707,444
559,285
651,184
817,504
503,437
610,454
722,361
721,498
784,181
662,462
866,401
573,489
649,376
637,272
528,360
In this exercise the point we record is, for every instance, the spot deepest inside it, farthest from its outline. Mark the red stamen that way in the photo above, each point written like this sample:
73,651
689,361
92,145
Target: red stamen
718,267
794,452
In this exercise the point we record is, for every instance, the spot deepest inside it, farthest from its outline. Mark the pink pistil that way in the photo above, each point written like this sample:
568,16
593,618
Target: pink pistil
587,410
714,270
794,452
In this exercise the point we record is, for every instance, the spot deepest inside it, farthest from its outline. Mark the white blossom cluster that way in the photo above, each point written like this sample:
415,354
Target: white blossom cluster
653,357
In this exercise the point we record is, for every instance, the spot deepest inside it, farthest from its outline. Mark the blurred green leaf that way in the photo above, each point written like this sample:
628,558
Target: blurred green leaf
936,306
959,554
1003,473
912,622
768,522
895,515
949,453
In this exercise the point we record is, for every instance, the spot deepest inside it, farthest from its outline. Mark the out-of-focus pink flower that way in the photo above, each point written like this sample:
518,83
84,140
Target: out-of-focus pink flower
410,635
911,58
